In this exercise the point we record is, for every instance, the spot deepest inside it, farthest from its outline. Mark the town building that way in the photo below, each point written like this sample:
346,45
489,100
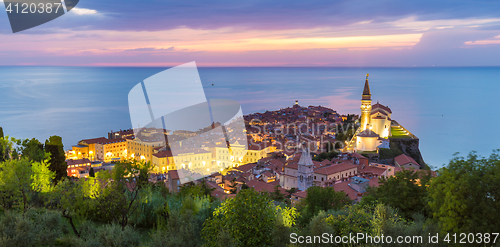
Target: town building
405,161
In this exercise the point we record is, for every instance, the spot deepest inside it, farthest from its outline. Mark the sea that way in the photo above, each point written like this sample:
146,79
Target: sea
450,109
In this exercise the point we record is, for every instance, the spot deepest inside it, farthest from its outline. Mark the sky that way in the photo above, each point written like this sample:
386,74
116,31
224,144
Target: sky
261,33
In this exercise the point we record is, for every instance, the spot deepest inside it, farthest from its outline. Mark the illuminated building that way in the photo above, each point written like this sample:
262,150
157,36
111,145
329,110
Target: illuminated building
114,149
146,145
366,106
375,124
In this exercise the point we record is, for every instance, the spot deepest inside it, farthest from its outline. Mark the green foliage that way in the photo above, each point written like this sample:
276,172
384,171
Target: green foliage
391,152
249,218
151,209
346,132
2,149
75,201
201,189
35,228
383,218
42,176
284,225
182,229
15,182
119,199
32,150
91,172
322,198
111,235
406,191
244,186
326,155
286,216
233,186
57,163
465,196
318,225
353,219
7,148
276,195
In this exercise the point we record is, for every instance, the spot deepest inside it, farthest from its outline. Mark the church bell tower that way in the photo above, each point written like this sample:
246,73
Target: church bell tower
366,106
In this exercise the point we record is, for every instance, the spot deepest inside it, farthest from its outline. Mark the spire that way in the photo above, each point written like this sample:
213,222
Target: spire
305,158
366,92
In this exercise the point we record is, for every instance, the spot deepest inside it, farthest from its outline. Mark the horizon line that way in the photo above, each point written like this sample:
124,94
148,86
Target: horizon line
251,66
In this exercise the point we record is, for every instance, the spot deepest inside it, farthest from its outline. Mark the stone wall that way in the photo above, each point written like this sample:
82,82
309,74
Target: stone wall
410,148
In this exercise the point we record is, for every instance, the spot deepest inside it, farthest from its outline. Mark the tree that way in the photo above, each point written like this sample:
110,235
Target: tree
276,195
233,186
249,218
57,162
323,198
465,197
42,176
19,179
406,191
16,182
355,219
91,172
2,149
291,191
119,198
75,200
244,186
7,146
32,149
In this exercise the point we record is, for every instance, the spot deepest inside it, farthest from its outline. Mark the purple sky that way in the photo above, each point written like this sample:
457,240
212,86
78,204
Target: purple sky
262,33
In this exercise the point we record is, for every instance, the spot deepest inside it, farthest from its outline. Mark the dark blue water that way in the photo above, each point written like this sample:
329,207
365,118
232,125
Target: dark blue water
449,109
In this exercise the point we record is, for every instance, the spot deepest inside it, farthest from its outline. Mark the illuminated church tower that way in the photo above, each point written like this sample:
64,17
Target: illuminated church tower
366,106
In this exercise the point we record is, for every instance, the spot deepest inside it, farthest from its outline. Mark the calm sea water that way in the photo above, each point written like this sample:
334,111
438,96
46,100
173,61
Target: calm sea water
449,109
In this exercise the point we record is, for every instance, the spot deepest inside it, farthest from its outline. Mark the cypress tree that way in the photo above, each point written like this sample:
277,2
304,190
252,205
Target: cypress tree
58,164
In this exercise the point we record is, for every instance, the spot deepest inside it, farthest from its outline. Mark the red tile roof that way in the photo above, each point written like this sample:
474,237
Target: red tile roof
95,140
77,162
267,174
344,186
378,112
383,107
405,159
263,186
110,141
245,168
163,154
373,170
357,155
335,168
368,133
300,194
173,174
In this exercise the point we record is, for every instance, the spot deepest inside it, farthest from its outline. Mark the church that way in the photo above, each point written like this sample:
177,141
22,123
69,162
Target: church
375,123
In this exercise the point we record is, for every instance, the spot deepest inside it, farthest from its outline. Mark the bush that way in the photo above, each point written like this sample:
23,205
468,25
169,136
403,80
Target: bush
183,229
107,235
35,228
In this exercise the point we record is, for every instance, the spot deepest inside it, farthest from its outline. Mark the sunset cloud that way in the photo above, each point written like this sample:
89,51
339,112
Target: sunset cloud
260,33
83,11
